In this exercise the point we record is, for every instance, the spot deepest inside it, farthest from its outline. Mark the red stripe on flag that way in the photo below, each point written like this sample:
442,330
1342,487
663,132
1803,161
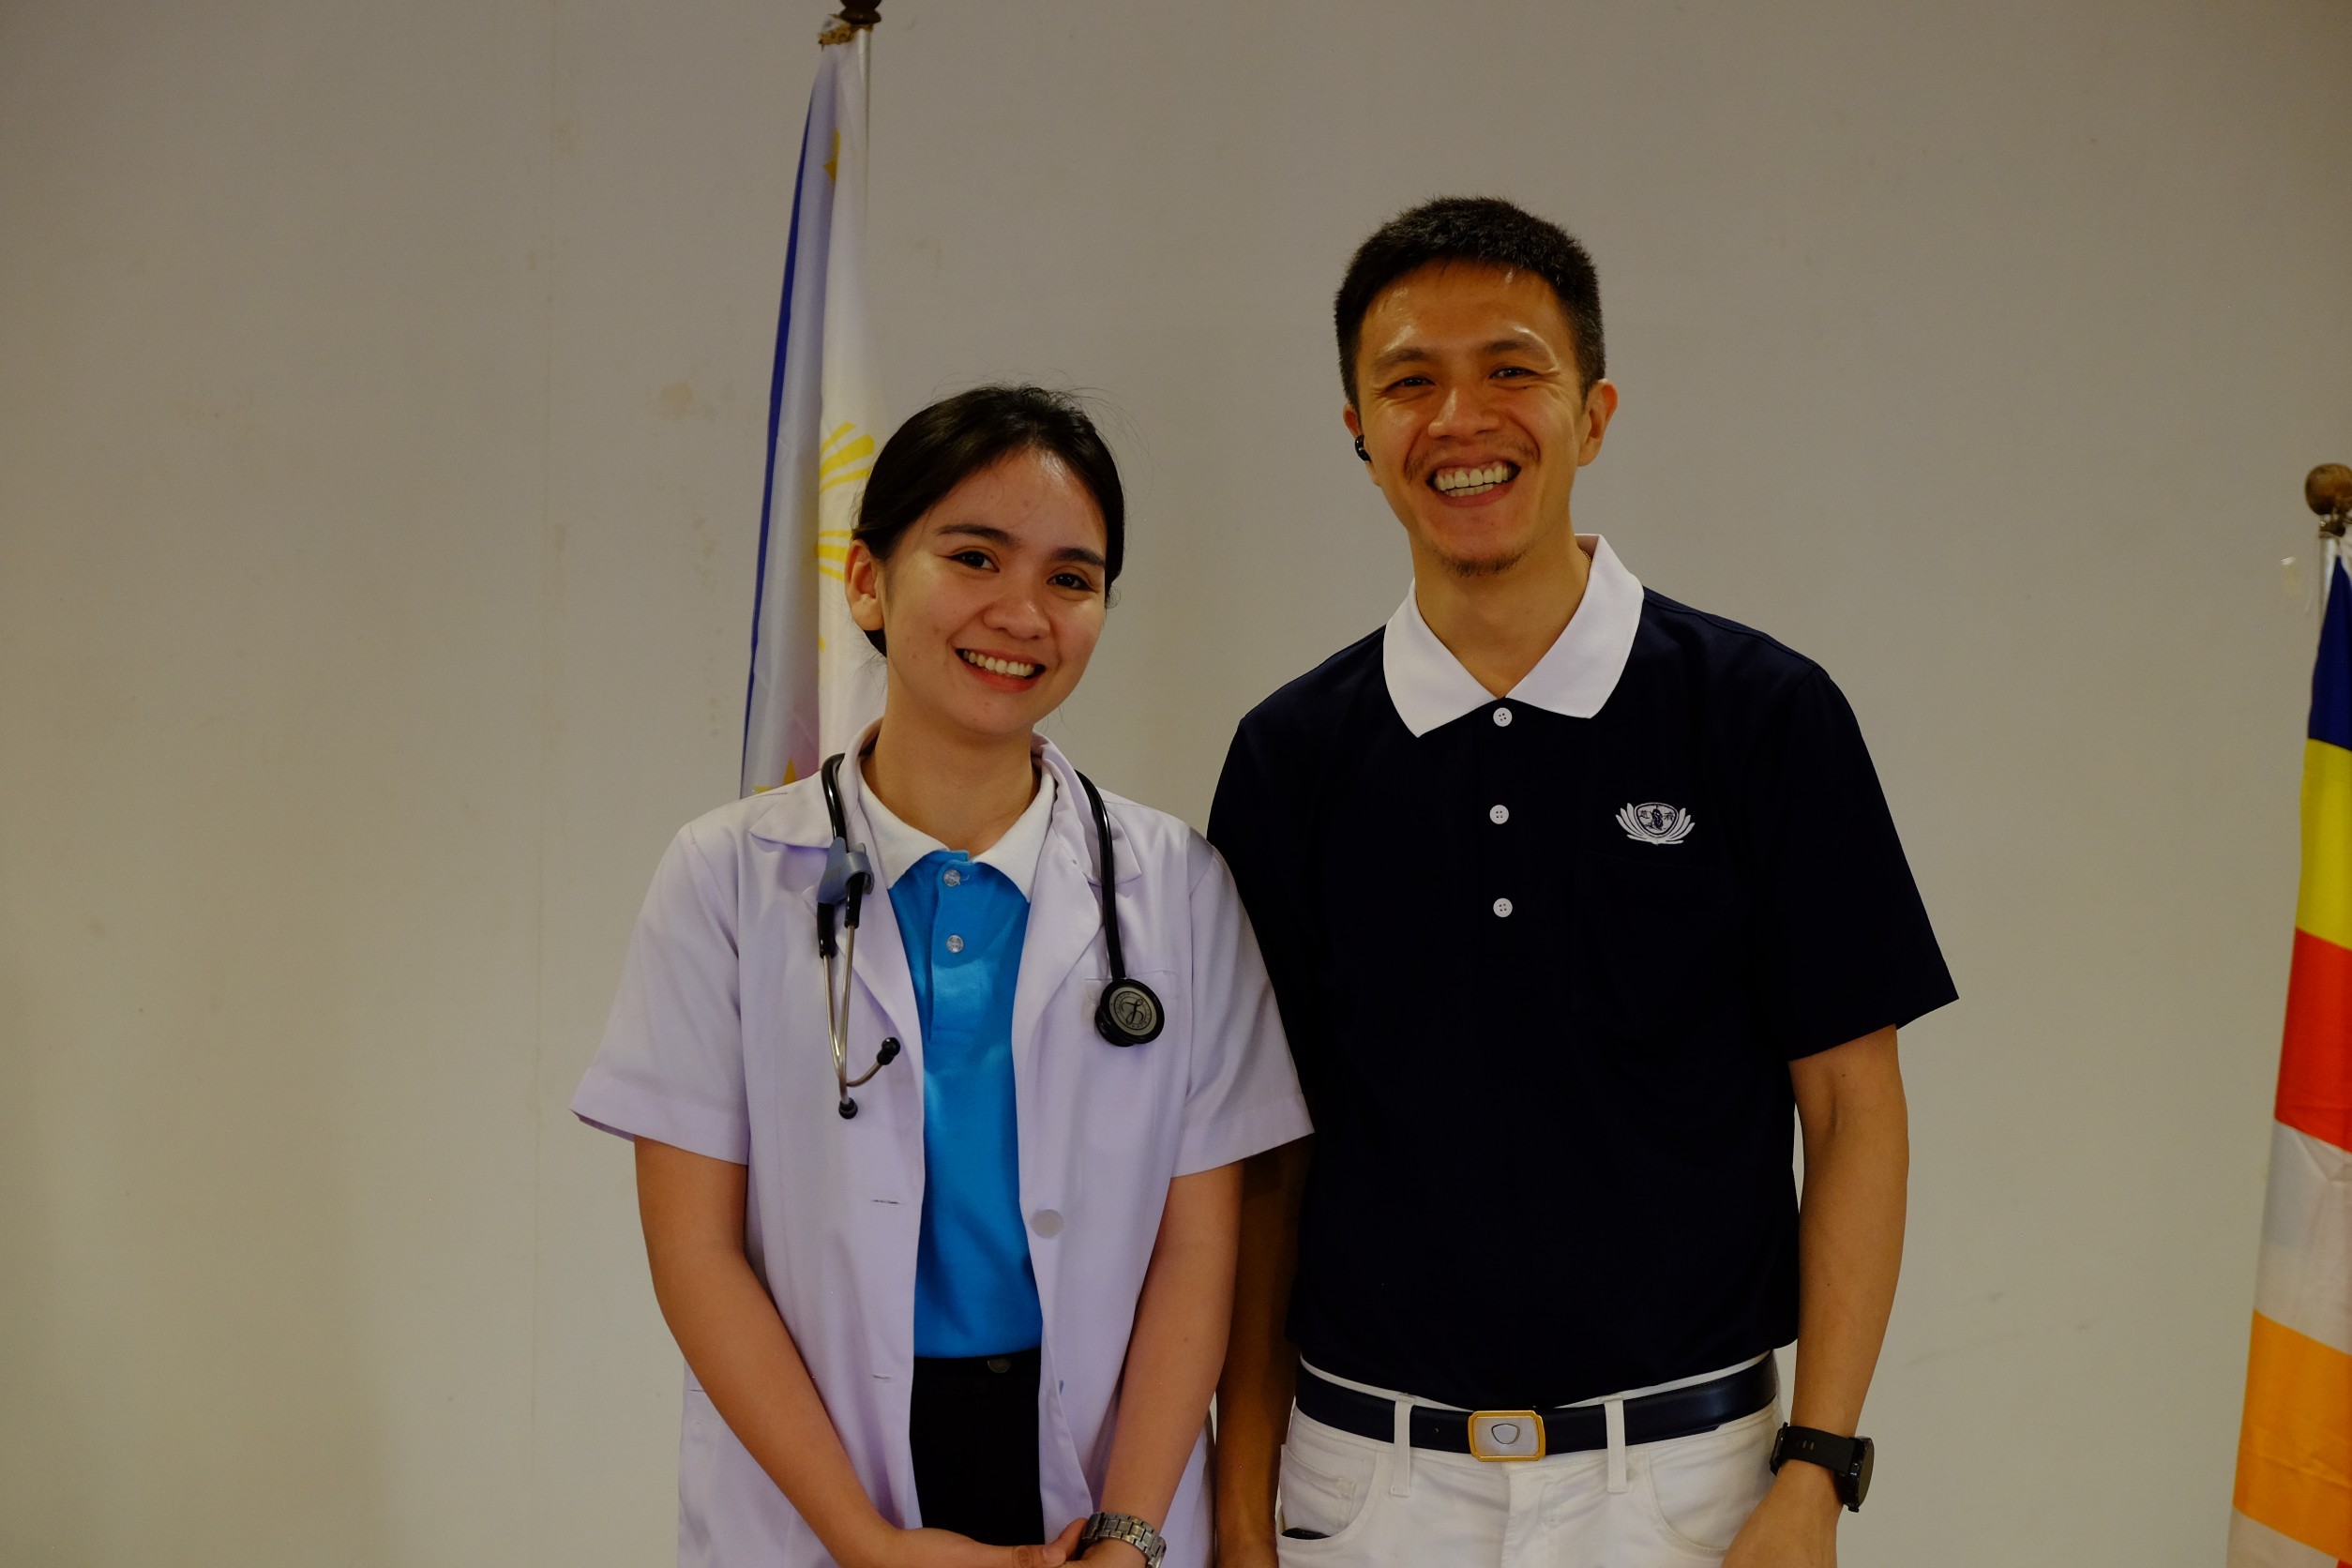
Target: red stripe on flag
2315,1063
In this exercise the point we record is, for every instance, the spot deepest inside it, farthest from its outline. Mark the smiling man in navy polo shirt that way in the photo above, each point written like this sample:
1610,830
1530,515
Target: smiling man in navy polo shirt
1571,896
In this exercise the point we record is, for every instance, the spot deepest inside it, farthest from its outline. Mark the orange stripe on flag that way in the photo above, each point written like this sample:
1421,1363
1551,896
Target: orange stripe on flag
2295,1452
2315,1065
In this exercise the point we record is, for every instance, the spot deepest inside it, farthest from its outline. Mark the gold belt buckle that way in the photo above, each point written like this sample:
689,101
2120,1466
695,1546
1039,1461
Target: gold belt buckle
1506,1437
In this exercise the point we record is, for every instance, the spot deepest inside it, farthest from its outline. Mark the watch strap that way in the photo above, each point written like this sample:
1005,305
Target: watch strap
1135,1532
1847,1460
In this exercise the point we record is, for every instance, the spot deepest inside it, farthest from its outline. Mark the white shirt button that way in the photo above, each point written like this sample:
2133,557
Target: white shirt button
1047,1222
1502,909
1503,717
1498,814
955,944
954,878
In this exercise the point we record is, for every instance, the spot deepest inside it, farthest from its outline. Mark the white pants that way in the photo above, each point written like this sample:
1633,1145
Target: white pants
1673,1504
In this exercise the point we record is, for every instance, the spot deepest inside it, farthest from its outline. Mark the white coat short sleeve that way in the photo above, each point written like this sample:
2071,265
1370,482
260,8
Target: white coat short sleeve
671,1066
1244,1094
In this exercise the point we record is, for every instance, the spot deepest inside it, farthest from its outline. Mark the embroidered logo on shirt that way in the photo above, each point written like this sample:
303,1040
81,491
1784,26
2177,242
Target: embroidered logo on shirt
1655,822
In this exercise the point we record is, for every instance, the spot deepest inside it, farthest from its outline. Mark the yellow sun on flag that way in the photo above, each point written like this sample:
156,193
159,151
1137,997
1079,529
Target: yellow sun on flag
845,458
832,552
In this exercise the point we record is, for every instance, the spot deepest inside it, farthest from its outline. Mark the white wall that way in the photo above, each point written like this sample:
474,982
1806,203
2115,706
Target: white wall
381,388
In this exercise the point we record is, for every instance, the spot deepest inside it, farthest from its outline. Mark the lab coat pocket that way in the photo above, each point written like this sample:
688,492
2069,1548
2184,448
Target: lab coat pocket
1656,940
701,1433
1134,1093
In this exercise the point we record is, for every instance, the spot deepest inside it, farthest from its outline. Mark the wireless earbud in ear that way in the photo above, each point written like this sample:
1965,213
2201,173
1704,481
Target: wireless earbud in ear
1360,452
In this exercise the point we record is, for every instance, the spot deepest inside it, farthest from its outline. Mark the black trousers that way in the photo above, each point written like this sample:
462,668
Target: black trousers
974,1435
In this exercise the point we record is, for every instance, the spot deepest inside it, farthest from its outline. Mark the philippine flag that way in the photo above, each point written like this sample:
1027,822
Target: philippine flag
815,682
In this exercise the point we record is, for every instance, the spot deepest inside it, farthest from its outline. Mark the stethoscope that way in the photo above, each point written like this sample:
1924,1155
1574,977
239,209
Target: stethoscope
1130,1012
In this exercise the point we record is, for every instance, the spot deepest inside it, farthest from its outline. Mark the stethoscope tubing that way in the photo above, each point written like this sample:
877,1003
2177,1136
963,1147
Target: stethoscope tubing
1127,1013
847,876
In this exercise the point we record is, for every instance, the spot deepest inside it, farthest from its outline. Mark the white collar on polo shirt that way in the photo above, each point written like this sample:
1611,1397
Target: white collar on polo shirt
1573,679
897,847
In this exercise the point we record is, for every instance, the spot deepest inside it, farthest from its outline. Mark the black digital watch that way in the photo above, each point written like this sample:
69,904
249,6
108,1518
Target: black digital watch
1847,1460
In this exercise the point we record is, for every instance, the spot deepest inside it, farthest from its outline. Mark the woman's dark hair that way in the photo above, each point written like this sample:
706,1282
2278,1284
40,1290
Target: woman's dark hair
958,437
1484,230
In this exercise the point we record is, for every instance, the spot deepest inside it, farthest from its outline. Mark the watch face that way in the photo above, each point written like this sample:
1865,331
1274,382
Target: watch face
1865,1454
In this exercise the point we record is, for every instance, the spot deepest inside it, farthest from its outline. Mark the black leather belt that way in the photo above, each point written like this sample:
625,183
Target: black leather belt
1500,1435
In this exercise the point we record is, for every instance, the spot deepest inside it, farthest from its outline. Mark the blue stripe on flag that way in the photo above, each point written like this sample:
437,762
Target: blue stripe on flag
776,411
2331,677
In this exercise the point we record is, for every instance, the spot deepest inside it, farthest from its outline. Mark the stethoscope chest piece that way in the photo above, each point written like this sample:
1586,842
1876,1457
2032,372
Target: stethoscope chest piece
1129,1014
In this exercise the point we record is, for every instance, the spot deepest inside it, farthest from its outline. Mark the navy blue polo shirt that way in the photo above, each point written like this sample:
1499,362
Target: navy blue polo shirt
1543,962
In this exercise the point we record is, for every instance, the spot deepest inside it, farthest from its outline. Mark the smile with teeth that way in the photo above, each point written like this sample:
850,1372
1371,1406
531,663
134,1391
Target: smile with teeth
1472,481
1005,667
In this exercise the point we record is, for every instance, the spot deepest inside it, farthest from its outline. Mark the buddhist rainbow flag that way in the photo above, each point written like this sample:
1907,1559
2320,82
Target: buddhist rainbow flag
2294,1493
814,684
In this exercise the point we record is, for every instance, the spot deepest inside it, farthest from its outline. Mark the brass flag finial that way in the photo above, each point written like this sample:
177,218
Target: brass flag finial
2328,491
856,15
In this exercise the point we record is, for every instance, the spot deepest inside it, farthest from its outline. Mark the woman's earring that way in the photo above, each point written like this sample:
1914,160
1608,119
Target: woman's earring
1360,452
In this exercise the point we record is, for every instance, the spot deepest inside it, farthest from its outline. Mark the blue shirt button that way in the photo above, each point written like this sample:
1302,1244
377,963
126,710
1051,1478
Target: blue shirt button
954,878
955,944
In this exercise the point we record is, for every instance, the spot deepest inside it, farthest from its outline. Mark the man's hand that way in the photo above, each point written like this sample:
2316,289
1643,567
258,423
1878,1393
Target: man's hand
1849,1247
1794,1526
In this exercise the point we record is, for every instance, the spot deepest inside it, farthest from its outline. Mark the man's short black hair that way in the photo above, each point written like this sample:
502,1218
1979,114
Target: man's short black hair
1484,231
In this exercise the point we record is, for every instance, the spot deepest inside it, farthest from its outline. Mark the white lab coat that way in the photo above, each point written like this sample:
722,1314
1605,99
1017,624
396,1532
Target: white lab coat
718,1044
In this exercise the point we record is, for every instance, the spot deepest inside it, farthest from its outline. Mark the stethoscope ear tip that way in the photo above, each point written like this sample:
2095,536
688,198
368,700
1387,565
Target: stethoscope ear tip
847,1107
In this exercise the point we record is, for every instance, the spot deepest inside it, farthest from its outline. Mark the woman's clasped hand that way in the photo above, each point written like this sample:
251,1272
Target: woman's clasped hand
944,1548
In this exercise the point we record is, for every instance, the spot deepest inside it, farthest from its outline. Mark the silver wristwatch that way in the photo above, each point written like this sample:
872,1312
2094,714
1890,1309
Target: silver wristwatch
1127,1528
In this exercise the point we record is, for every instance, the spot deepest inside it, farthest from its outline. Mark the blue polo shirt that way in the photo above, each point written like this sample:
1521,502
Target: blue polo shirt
1544,1020
963,920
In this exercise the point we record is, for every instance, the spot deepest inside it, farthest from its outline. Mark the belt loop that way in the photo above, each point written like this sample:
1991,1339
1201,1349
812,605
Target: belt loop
1614,1412
1400,1483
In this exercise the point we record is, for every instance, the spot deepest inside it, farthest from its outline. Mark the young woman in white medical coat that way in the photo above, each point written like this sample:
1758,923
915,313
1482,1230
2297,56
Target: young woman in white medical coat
976,1323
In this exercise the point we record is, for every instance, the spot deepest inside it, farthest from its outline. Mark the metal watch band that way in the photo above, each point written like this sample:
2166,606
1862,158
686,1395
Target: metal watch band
1127,1528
